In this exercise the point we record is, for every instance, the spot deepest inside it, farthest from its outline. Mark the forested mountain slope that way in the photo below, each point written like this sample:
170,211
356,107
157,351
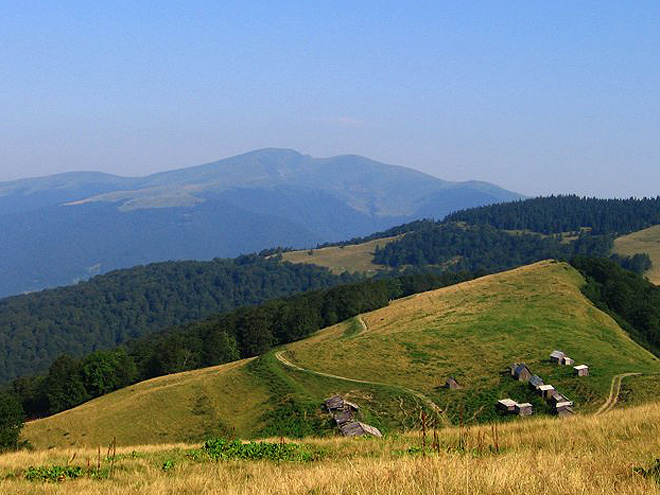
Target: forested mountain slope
110,309
472,331
555,214
68,227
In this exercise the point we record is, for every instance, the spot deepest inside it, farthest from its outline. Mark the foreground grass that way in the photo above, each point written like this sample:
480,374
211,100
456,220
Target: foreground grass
644,241
584,454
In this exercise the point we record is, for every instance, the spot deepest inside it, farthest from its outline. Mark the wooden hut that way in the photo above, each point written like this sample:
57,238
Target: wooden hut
535,382
344,416
507,405
546,391
357,429
452,384
564,410
524,409
521,372
581,370
555,356
566,361
558,398
334,403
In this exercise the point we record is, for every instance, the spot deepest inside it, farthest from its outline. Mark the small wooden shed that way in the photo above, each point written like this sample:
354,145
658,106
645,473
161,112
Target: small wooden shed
546,391
507,405
452,384
344,416
581,370
535,381
558,398
524,409
357,429
564,410
566,361
334,403
521,372
555,356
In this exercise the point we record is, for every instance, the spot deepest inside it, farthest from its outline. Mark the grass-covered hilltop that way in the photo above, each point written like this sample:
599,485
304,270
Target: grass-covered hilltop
392,361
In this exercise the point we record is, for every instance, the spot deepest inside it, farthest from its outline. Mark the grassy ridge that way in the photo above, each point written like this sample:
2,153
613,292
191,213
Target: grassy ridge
185,406
472,331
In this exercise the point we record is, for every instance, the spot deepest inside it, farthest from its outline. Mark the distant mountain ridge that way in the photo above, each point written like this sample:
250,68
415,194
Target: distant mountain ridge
66,227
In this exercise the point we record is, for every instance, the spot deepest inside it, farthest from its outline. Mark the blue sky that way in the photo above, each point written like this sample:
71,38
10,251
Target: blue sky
539,97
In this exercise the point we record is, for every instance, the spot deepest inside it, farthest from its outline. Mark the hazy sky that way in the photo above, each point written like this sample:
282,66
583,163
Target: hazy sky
539,97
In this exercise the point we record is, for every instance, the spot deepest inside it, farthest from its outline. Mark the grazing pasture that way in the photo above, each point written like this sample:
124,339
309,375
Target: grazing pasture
643,241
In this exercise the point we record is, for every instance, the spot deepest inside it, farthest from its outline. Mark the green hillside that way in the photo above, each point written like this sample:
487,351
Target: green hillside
643,241
392,366
474,331
339,259
113,308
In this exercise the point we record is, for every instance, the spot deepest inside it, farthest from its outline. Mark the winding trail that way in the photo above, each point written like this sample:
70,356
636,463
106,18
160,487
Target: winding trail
434,407
615,389
364,326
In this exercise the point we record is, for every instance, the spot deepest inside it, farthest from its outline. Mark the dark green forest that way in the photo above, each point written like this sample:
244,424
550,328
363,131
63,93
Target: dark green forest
631,300
554,214
241,333
483,248
113,308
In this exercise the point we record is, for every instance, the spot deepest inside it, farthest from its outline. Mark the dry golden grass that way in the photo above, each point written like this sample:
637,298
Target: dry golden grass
583,455
645,241
357,258
188,405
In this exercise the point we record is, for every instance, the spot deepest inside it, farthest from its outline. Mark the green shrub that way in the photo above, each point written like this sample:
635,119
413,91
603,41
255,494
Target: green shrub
225,450
53,473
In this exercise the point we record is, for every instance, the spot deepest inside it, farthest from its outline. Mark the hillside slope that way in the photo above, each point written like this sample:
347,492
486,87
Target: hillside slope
594,455
643,241
125,304
392,368
474,331
339,259
67,227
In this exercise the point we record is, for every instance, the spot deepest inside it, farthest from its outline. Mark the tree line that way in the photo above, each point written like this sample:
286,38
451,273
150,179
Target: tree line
125,304
240,333
460,247
630,299
569,213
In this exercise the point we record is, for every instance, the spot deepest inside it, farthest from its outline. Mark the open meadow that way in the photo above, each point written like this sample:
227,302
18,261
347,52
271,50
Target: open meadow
644,241
393,363
350,258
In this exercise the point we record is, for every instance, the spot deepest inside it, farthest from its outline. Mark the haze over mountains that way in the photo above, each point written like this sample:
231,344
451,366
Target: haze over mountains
67,227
